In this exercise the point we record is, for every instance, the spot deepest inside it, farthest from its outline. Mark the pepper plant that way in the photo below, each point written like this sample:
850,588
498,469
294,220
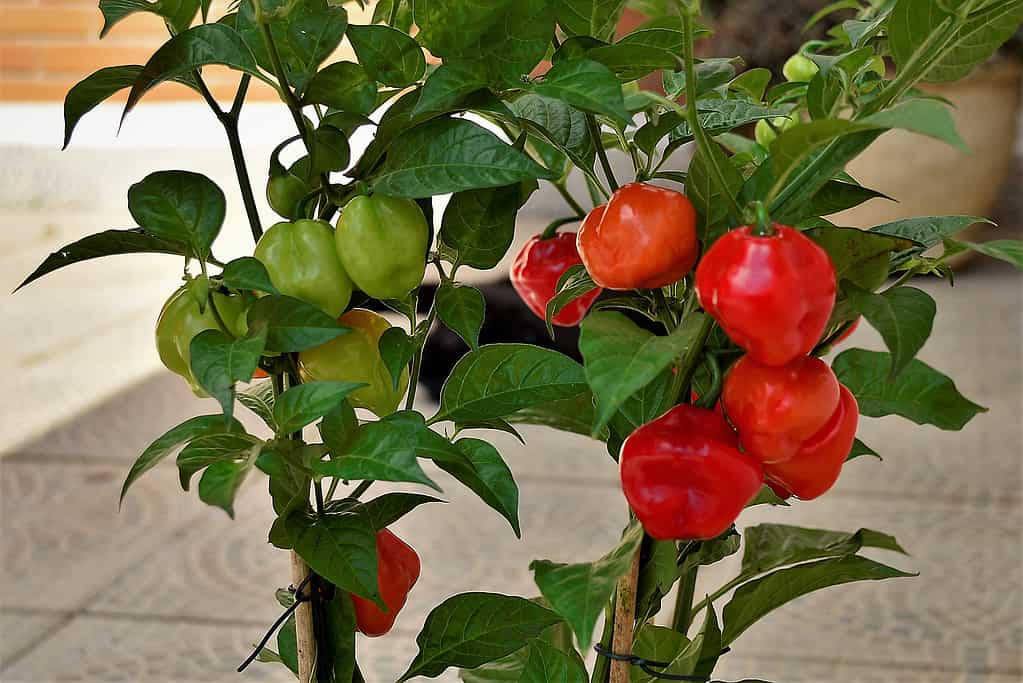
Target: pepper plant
703,384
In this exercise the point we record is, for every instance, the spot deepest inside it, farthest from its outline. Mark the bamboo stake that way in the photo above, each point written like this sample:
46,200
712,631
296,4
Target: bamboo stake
625,621
304,624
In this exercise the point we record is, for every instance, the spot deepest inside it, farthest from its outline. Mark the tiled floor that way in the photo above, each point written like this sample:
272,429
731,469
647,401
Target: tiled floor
169,590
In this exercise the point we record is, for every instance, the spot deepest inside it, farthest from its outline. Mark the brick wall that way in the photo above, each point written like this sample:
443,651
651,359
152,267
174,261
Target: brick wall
46,46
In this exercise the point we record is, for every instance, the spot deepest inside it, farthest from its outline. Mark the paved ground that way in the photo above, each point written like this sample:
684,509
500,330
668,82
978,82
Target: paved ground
170,590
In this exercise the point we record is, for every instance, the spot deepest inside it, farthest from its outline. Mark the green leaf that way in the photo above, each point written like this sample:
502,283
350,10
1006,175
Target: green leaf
644,405
208,449
471,629
177,13
293,325
396,350
248,273
287,644
106,243
343,85
904,316
305,34
259,398
448,26
219,484
284,463
797,144
929,231
706,193
924,116
621,358
758,598
710,74
771,546
500,379
548,664
480,224
189,50
390,56
579,592
658,572
179,206
838,196
387,509
654,45
339,644
165,445
858,256
451,155
303,404
478,466
85,95
331,151
859,448
919,393
710,552
718,116
913,23
597,18
339,546
218,361
339,428
563,125
447,87
1010,251
587,85
462,309
573,283
658,644
574,414
384,451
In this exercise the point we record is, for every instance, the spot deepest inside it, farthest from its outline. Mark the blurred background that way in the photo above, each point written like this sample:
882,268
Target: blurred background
169,590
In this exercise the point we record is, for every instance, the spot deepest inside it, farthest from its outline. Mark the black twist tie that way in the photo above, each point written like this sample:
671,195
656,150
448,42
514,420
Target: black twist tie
300,597
649,666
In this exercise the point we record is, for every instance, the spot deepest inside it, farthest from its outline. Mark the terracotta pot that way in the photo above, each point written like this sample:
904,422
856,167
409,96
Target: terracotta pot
928,177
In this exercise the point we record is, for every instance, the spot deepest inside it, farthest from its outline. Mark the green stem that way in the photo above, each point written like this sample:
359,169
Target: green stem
684,602
602,667
332,488
702,139
693,353
594,129
569,199
417,359
663,311
360,489
552,228
763,226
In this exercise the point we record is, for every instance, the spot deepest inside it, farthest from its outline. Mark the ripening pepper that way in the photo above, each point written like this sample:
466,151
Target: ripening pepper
398,570
772,294
816,465
643,238
382,243
536,271
302,263
684,476
180,320
355,357
776,409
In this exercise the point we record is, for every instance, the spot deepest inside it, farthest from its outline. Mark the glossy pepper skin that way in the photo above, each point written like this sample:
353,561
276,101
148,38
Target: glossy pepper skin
302,263
284,193
643,238
382,243
684,477
398,570
772,295
777,408
536,271
180,320
818,462
355,357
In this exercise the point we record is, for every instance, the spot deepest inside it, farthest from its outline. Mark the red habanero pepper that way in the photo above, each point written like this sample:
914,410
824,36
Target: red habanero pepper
772,294
683,476
536,271
816,466
643,238
397,571
776,409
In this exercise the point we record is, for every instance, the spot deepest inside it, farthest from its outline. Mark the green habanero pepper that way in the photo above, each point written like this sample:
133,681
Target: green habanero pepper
181,320
355,357
302,263
285,193
382,243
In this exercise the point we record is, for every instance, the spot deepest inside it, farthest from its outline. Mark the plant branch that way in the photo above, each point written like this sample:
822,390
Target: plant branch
594,129
569,199
684,601
702,139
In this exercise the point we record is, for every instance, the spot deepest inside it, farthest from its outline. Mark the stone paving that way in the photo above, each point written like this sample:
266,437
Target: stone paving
169,590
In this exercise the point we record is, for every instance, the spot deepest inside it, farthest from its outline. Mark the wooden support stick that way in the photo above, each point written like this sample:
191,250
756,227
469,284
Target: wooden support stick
625,618
304,623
